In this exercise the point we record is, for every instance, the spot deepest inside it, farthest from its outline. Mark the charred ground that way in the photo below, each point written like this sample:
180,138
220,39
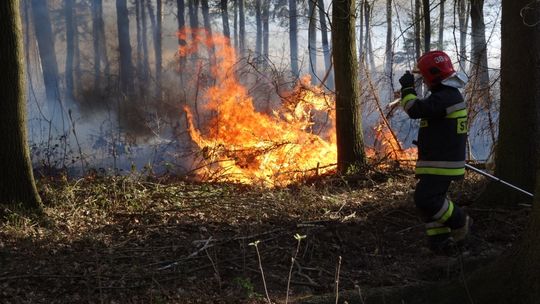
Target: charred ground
142,240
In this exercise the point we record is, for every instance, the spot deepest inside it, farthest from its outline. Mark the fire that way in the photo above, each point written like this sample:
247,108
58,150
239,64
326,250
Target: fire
387,146
247,146
243,145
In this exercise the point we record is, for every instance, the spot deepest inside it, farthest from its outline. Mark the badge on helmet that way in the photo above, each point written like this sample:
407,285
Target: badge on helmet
435,66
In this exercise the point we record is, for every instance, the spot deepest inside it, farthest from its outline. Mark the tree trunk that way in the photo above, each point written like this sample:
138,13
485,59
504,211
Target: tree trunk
17,186
361,36
242,28
387,90
515,277
180,13
158,46
312,41
193,8
417,28
126,69
440,43
368,47
47,54
329,81
464,7
258,26
70,47
427,26
139,16
266,30
235,25
207,26
293,38
479,73
225,18
145,73
418,42
350,142
99,43
516,153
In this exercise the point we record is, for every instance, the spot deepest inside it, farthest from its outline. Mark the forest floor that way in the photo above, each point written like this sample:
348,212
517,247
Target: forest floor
140,240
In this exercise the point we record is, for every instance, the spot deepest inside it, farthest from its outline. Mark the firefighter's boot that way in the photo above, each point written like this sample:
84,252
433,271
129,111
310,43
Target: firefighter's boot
460,234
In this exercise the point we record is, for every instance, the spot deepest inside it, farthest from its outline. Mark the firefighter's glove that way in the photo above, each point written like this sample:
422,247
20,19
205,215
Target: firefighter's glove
407,84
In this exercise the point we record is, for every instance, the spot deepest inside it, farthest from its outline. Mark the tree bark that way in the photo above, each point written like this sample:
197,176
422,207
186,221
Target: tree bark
368,46
265,16
258,26
158,46
235,25
126,69
463,13
70,48
361,36
427,26
242,28
417,28
479,73
225,18
47,54
325,45
516,152
440,43
293,38
193,11
99,42
387,91
350,142
207,25
312,41
180,15
17,186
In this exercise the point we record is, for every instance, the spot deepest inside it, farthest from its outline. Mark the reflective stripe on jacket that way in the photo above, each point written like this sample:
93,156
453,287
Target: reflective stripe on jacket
443,131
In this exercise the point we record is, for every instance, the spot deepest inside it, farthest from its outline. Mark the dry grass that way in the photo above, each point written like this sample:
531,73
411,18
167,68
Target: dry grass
138,240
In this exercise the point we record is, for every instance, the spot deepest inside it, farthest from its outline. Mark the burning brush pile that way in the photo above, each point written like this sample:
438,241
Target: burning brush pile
243,145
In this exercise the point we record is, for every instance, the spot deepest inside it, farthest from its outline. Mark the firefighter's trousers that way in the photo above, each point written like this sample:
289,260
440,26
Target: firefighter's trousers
439,213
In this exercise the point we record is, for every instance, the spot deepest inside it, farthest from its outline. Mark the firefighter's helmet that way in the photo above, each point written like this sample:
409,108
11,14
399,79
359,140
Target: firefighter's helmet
435,66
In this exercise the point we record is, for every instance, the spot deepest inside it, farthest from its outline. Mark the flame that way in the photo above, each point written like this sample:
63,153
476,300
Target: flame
388,147
243,145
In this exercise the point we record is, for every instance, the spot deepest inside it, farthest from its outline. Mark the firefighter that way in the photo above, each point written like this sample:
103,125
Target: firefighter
441,148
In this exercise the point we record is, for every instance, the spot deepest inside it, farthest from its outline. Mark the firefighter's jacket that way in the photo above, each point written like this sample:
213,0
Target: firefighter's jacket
443,131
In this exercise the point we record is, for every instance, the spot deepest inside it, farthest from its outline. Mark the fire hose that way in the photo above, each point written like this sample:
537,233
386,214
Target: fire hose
498,180
484,173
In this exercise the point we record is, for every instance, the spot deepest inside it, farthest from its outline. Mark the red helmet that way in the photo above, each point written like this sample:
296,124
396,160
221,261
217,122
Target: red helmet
435,66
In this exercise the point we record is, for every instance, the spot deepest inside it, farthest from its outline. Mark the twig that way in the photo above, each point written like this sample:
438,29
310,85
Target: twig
337,279
193,254
261,269
298,238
